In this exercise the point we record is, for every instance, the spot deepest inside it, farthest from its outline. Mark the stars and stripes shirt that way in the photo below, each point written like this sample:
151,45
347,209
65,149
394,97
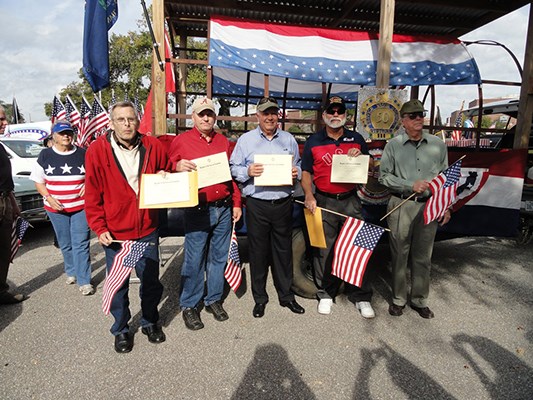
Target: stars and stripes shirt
64,176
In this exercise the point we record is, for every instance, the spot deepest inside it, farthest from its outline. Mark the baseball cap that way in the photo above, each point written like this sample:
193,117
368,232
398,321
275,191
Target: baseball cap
412,106
201,104
335,101
267,102
62,126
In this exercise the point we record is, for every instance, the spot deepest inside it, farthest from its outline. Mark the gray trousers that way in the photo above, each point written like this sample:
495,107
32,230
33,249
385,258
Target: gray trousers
411,242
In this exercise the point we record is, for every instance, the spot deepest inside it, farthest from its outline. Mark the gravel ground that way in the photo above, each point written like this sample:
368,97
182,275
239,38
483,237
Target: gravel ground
57,345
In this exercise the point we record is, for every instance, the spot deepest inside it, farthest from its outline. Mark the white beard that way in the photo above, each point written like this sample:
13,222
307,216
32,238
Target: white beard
335,124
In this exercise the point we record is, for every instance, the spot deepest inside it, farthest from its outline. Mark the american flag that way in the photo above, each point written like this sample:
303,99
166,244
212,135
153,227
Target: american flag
443,192
113,98
82,139
124,262
73,115
353,249
98,120
58,110
138,106
233,272
456,134
19,228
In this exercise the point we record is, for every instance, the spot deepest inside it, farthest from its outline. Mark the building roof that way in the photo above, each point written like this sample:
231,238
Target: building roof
413,17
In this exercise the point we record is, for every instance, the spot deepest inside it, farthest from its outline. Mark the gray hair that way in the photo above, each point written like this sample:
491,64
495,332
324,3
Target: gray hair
123,104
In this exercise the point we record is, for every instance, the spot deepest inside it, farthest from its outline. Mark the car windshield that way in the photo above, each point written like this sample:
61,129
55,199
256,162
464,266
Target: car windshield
24,148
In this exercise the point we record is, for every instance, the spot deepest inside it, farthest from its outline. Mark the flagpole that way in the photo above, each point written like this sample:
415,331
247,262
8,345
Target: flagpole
339,214
410,197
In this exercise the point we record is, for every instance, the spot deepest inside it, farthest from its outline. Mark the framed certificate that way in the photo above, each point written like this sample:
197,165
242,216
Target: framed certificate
174,190
277,170
345,169
212,169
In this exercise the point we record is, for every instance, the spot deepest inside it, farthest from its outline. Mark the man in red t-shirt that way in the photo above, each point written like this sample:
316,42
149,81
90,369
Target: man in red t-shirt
208,226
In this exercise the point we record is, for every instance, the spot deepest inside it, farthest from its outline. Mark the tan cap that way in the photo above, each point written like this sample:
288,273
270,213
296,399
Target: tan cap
267,102
412,106
201,104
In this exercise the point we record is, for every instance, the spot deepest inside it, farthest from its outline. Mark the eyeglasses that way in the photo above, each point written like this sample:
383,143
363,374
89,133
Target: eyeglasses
3,119
415,115
124,120
267,99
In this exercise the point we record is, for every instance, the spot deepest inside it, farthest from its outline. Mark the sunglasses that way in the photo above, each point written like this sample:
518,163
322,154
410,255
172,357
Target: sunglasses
267,99
415,115
332,111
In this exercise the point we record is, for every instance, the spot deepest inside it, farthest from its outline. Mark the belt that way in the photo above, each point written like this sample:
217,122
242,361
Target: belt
274,201
4,194
217,203
415,199
337,196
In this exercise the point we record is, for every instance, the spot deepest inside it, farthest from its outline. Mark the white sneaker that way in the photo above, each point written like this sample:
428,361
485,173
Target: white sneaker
366,309
324,306
87,290
71,280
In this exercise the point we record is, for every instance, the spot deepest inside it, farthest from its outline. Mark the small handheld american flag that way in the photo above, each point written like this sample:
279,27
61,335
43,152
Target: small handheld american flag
19,228
124,262
443,192
233,272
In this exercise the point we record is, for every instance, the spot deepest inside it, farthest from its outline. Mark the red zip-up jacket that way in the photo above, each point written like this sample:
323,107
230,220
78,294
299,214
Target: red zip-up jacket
111,205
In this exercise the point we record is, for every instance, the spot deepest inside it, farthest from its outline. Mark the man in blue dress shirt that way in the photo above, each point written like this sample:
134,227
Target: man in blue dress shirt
268,208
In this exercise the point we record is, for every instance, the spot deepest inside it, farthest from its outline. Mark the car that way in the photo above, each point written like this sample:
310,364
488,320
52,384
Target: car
22,153
29,200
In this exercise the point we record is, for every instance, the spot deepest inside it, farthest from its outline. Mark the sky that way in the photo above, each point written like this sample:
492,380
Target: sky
42,52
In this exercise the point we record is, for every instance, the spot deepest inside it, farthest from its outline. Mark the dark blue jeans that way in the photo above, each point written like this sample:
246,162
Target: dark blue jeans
207,239
150,291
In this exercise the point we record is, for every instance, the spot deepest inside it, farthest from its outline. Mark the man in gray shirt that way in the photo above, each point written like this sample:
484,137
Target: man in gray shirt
409,162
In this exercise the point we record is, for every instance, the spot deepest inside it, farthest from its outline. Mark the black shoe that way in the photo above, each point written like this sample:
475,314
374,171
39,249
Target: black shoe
395,310
9,298
123,343
294,307
424,312
217,310
192,319
259,310
155,333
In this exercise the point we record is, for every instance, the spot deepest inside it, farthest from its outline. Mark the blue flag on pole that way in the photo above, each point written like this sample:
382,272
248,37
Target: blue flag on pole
100,15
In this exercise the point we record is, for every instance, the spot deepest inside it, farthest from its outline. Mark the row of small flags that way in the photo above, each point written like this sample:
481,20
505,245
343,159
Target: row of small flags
90,121
353,248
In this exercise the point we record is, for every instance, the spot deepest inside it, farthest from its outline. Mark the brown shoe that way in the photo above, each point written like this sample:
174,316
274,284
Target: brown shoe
9,298
424,312
395,310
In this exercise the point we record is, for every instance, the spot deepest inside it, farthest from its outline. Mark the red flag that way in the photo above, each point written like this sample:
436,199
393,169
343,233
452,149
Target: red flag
233,272
145,126
443,192
353,249
124,262
20,225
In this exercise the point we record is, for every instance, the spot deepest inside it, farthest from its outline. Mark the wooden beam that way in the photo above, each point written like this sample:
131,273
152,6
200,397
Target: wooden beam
159,96
386,29
525,107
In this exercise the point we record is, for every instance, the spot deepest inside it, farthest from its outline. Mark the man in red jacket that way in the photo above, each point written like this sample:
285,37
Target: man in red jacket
114,164
208,226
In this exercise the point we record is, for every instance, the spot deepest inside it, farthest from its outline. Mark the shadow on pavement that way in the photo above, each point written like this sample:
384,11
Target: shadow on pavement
271,375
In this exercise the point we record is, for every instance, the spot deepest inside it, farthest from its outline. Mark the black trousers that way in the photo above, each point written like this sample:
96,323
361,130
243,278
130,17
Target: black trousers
270,244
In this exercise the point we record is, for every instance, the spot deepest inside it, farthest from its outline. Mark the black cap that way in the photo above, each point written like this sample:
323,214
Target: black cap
337,102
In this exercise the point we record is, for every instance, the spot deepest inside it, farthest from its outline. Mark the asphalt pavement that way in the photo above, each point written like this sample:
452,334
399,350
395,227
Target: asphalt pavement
57,345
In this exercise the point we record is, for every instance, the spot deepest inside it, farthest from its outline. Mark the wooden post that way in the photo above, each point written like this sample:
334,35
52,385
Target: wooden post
159,100
386,29
182,100
525,107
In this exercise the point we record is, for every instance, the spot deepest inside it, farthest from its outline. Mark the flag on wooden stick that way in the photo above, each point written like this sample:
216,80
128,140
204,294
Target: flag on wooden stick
353,249
443,192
